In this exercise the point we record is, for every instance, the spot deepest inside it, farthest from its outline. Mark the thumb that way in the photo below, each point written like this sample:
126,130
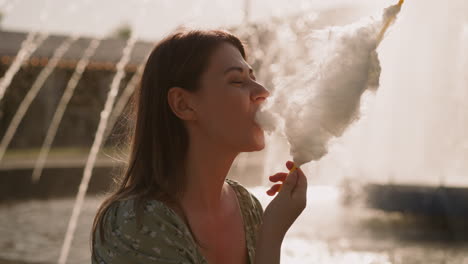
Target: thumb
290,182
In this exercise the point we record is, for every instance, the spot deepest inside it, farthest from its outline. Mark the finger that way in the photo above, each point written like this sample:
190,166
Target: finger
274,189
290,182
280,176
299,170
301,186
289,165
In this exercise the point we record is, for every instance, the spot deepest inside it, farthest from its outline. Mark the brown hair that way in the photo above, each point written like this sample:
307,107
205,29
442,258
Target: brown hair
158,139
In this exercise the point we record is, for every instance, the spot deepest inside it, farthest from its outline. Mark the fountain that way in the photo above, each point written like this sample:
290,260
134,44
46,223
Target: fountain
54,124
38,83
29,45
123,100
32,41
95,149
103,122
399,138
422,144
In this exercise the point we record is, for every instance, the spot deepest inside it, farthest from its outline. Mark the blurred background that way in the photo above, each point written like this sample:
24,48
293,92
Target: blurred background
393,189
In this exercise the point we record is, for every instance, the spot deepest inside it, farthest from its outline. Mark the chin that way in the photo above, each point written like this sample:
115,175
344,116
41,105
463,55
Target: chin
253,148
252,144
258,142
255,142
257,147
260,147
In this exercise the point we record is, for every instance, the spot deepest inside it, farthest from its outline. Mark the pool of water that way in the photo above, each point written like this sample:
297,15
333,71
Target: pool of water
327,232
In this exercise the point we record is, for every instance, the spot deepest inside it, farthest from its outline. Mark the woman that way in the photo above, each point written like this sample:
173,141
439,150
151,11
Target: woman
194,113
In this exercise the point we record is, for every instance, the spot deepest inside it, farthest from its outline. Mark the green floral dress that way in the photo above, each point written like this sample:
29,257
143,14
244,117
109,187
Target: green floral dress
163,237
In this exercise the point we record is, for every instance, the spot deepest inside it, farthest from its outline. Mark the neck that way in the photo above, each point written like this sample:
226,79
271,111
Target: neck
207,166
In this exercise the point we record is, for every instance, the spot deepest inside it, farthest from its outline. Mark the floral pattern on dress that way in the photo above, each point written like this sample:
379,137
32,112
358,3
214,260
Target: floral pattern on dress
162,236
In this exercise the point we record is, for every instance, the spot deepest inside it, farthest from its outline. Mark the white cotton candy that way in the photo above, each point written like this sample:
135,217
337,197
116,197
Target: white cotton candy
321,100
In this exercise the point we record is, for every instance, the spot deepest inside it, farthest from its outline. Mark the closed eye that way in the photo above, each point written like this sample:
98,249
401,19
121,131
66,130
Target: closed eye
237,82
241,71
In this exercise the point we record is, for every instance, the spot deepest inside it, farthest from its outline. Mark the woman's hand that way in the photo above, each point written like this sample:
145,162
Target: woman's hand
289,203
280,214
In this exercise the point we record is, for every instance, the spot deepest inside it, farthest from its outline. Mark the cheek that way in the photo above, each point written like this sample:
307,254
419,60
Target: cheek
228,115
233,111
236,125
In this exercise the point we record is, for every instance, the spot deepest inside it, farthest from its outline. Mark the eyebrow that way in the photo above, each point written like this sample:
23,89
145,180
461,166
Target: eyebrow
237,68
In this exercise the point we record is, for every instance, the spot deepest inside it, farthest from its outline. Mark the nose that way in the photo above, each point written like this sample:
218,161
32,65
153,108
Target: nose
259,93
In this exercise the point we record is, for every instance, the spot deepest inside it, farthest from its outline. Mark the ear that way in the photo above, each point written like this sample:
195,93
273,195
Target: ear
180,101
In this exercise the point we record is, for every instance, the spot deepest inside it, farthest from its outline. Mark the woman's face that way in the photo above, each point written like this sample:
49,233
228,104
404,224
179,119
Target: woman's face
227,101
